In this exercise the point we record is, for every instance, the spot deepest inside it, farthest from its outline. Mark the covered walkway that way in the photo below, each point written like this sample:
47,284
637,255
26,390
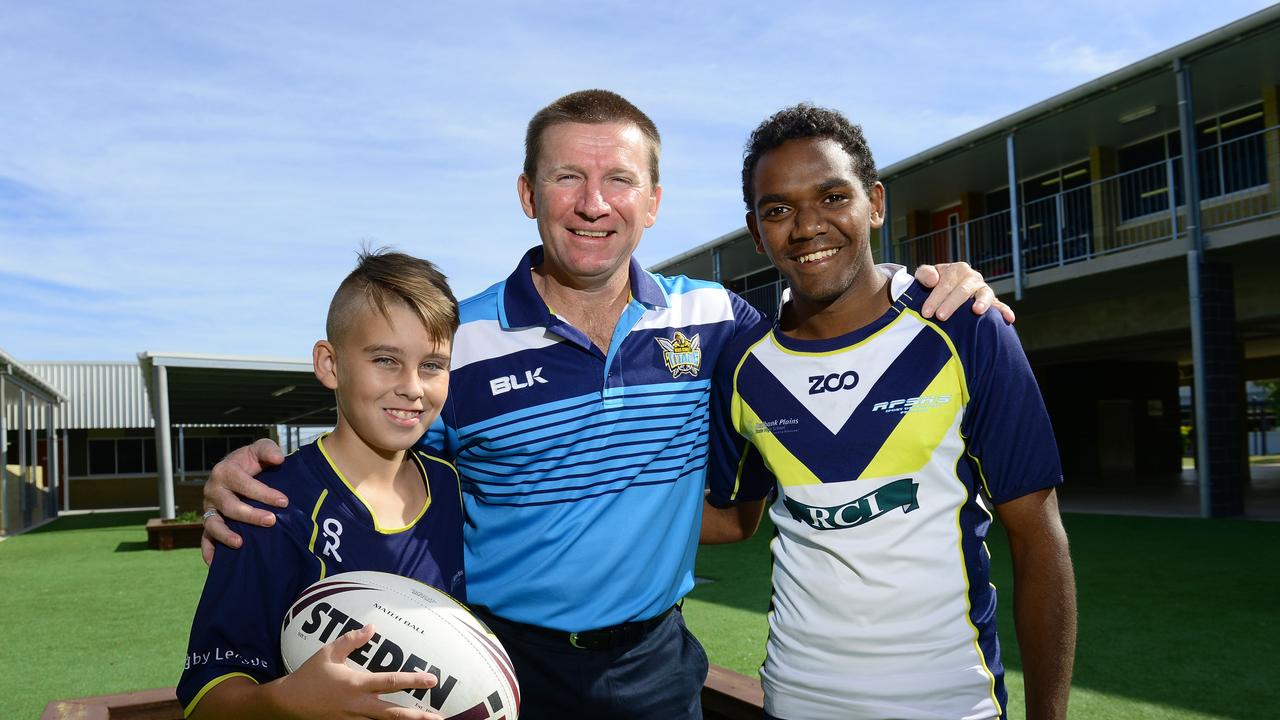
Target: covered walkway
30,454
1168,495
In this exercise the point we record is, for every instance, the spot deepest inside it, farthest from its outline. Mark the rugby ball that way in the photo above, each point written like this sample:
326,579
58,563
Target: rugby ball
418,628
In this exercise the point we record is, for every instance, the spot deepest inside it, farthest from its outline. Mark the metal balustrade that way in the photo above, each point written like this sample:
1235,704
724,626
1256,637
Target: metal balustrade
765,298
1127,210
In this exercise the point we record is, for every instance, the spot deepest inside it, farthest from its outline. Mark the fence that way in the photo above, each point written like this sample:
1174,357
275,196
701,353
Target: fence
1127,210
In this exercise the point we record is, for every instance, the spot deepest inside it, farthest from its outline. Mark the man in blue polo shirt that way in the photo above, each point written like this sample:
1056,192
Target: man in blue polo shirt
577,420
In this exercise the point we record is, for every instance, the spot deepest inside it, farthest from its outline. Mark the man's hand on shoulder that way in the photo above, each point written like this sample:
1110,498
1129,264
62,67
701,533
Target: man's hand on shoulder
953,284
231,479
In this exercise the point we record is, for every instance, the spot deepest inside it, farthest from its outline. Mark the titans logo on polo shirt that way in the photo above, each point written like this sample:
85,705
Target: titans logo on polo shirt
583,469
883,446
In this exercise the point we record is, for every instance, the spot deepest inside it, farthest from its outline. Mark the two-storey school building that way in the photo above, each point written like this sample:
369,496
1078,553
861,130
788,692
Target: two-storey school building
1134,271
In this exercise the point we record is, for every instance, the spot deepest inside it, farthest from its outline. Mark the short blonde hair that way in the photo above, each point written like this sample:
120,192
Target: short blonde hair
381,276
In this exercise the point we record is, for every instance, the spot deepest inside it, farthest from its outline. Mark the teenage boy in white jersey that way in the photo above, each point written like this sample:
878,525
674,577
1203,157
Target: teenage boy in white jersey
578,445
880,431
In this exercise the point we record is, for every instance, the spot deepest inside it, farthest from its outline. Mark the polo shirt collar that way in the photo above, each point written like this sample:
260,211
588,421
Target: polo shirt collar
522,306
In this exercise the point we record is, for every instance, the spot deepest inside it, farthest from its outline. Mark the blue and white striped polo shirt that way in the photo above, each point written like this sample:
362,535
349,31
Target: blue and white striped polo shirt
583,472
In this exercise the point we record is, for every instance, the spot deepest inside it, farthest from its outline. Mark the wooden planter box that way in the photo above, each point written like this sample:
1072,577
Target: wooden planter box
163,535
726,696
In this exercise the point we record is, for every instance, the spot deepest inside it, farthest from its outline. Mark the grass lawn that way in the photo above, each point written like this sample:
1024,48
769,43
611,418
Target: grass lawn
89,610
1179,618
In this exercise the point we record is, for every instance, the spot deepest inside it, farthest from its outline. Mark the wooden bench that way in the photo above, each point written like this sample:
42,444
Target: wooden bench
727,695
159,704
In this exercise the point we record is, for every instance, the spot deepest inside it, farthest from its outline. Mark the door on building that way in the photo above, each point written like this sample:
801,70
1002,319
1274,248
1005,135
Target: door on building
945,245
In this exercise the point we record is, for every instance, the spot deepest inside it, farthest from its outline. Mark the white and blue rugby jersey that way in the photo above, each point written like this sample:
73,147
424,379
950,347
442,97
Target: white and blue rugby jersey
881,445
583,471
327,529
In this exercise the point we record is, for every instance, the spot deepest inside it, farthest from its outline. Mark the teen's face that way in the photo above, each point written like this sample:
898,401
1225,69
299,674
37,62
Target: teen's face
592,197
813,218
390,376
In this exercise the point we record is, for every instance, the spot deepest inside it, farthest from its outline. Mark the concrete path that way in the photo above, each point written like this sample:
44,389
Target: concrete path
1167,496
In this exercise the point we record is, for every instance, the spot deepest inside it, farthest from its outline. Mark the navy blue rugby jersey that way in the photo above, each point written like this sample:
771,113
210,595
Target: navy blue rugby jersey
885,447
327,529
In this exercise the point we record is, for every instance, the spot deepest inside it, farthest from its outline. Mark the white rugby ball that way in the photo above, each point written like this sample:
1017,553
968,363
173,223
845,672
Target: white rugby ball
418,628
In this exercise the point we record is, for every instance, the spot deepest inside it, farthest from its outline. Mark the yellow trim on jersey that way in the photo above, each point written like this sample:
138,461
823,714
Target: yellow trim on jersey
955,355
843,349
735,415
911,444
964,568
190,708
376,524
968,607
788,470
453,468
315,530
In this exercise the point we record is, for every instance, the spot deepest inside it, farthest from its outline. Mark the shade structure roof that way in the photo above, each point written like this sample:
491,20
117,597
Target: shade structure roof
231,390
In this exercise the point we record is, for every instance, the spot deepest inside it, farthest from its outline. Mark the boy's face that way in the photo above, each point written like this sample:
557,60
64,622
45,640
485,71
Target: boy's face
391,377
813,218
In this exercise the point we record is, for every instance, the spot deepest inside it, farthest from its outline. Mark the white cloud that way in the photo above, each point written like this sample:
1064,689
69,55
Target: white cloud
1082,61
196,177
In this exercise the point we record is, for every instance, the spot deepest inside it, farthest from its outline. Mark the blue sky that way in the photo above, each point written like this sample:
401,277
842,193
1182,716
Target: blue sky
196,177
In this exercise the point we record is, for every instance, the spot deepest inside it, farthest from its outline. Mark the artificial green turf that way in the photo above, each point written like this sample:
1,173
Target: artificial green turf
89,610
1179,618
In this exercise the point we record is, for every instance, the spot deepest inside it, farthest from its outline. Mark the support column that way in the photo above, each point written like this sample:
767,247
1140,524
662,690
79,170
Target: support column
53,483
1221,453
4,458
715,265
1102,166
164,449
1271,119
1015,232
33,429
182,454
65,447
22,454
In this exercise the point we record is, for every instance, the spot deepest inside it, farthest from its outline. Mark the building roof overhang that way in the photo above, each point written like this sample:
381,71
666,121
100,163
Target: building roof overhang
29,380
237,390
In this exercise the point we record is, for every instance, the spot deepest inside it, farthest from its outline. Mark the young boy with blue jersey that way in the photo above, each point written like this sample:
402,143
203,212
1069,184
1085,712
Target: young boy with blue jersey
884,435
363,499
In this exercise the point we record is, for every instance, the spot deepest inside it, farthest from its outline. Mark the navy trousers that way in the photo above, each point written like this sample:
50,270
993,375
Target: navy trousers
659,677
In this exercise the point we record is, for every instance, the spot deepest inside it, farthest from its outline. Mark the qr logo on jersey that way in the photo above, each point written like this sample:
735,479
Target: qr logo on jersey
682,355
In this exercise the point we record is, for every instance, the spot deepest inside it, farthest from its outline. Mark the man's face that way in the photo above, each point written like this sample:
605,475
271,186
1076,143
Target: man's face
390,375
592,198
813,218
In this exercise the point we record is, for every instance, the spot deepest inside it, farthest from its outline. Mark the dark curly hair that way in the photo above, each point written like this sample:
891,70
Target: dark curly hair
806,121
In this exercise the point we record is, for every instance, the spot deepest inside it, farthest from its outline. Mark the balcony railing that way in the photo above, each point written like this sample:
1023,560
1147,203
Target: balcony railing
1128,210
765,298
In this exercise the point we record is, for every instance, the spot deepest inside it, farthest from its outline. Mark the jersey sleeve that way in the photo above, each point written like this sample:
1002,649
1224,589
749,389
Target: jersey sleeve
735,469
1009,436
746,318
236,630
435,440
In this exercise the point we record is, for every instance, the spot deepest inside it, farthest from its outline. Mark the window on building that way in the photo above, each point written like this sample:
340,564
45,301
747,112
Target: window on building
137,456
1233,154
1057,217
122,456
1231,157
